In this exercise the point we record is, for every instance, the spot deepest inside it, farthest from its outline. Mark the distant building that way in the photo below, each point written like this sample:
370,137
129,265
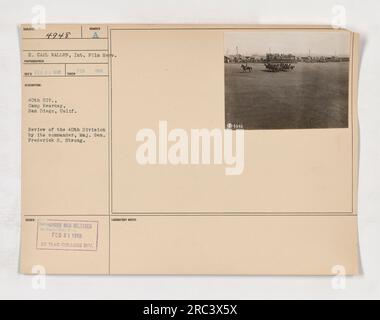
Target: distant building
277,57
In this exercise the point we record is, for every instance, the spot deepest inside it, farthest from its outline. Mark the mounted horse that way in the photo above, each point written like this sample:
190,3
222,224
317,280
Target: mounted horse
245,68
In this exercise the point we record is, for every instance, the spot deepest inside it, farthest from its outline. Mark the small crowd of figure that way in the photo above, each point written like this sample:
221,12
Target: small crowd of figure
271,67
277,67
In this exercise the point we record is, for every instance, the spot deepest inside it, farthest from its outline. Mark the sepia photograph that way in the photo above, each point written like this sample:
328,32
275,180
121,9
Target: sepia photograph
286,80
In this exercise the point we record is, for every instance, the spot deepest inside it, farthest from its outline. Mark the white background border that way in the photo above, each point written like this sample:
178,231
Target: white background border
361,16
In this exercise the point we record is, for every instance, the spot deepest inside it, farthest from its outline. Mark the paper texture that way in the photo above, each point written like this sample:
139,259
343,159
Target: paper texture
189,149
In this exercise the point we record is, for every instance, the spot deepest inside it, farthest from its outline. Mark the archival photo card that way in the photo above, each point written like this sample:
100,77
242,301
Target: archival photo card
286,80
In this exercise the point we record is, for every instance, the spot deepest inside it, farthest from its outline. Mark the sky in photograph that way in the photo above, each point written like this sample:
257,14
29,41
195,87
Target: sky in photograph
294,42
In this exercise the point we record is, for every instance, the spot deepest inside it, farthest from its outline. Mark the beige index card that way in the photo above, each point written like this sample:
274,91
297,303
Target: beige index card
189,149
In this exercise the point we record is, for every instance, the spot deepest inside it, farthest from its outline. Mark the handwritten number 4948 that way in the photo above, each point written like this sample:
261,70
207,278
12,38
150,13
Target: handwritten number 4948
58,35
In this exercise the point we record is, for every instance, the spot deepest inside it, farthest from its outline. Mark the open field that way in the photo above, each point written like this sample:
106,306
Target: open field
314,95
